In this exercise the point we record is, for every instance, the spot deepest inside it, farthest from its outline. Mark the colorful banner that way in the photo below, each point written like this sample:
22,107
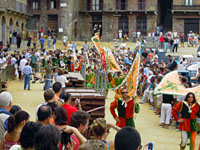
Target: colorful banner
131,80
111,62
96,42
171,85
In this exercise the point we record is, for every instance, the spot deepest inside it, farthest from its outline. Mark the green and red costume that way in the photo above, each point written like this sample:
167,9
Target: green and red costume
188,113
125,109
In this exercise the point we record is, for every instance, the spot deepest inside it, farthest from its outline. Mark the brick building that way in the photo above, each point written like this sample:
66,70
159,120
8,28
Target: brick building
54,15
13,16
186,16
109,16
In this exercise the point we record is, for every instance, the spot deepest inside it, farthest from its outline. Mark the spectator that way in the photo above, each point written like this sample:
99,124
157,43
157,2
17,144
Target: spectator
44,114
48,77
15,125
27,71
86,47
42,42
68,107
5,106
14,109
54,43
27,136
47,138
62,79
79,120
127,138
92,144
57,88
100,130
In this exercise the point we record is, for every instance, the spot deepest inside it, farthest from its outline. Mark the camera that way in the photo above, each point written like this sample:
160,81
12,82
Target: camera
65,138
150,146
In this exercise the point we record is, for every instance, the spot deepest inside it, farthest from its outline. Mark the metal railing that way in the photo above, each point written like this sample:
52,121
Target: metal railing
129,6
100,81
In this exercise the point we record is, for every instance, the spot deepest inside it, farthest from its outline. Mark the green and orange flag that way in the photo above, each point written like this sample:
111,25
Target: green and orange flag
131,80
111,62
171,85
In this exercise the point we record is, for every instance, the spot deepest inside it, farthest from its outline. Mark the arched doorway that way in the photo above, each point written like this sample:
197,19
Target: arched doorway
3,30
11,25
123,24
142,24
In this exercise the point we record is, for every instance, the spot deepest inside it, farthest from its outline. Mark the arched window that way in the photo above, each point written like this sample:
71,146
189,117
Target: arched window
123,24
142,24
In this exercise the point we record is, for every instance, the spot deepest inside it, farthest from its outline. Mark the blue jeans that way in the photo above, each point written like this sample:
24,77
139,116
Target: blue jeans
166,45
27,81
47,82
10,40
49,43
42,45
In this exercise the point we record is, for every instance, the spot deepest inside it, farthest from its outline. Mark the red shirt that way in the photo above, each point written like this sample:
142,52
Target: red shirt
161,39
70,110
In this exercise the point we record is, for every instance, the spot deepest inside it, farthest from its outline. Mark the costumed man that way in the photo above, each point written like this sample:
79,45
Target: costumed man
90,78
189,110
126,107
116,82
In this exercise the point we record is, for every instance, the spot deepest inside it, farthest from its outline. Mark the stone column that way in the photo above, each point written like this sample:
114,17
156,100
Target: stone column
43,16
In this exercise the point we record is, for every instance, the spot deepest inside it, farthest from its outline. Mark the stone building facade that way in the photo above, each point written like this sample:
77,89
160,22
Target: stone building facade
13,17
59,16
110,16
186,16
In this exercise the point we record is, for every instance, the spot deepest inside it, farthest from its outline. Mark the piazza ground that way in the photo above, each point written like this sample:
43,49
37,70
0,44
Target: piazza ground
147,123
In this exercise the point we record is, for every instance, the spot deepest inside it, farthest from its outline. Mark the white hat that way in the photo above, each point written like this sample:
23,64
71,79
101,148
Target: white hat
5,98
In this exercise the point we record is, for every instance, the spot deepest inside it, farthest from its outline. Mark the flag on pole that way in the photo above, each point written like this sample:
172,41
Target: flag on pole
131,80
111,62
171,85
96,41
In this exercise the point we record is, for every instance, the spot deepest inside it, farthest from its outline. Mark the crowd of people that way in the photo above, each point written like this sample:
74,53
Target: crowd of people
60,125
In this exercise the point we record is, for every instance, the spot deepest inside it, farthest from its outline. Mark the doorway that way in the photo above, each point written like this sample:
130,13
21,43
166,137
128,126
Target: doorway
165,14
123,24
3,30
191,24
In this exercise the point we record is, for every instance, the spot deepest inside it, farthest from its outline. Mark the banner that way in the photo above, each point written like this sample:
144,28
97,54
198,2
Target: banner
171,85
131,80
111,62
96,41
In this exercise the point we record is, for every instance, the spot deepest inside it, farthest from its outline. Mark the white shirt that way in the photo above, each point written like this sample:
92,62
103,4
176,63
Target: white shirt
69,46
13,60
62,79
123,45
22,64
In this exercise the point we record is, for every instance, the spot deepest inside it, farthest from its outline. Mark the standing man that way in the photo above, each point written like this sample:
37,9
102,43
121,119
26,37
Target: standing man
176,42
27,75
54,42
19,40
134,35
126,107
86,47
42,42
48,78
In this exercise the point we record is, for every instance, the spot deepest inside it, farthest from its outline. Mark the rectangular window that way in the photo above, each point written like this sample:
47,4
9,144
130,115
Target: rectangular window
53,4
17,6
188,2
35,5
95,4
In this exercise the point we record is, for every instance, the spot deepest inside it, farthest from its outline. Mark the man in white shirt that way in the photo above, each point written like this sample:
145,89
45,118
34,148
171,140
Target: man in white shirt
176,42
21,66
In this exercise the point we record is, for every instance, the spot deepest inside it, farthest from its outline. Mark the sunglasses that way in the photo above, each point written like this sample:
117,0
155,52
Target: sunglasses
124,92
140,147
191,97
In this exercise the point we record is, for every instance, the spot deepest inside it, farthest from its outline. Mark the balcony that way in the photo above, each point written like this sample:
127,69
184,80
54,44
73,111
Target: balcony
190,6
13,6
120,7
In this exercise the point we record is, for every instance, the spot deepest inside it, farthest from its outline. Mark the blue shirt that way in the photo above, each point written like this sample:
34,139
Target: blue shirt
27,70
127,61
6,121
42,41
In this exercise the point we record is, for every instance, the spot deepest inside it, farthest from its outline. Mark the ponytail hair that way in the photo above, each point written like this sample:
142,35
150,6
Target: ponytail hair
16,119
